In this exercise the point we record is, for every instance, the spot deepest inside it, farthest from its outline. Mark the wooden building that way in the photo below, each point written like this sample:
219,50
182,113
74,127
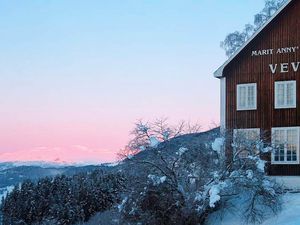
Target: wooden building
260,89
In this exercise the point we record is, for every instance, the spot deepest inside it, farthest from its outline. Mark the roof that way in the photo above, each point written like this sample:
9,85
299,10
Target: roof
219,72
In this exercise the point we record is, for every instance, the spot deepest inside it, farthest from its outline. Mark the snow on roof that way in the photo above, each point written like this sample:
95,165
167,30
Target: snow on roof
219,72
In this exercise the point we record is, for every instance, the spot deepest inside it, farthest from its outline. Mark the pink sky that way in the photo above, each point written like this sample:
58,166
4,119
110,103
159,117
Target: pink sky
76,75
69,140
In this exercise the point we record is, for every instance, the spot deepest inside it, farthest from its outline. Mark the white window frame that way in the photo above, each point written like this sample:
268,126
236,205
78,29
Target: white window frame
235,132
247,107
285,105
285,162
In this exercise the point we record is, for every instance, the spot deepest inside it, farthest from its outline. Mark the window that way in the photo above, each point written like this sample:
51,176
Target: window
246,96
245,141
286,144
285,94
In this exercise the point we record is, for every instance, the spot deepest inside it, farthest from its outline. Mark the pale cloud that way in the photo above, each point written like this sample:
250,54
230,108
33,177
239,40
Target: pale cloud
72,154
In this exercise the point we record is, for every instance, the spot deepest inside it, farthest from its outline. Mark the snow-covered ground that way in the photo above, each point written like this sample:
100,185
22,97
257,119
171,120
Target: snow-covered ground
288,182
289,215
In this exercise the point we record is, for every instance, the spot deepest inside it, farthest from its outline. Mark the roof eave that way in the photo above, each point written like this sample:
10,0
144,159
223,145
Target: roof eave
219,72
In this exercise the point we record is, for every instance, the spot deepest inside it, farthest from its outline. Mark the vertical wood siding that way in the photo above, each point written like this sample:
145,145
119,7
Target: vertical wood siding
283,31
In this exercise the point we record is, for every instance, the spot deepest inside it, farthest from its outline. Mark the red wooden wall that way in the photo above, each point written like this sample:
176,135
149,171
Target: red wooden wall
283,31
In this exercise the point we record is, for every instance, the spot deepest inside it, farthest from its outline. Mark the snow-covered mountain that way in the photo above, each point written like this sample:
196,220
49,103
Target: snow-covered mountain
13,173
43,164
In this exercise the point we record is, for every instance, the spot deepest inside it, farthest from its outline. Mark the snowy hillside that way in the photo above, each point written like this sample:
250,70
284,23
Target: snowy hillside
289,215
160,182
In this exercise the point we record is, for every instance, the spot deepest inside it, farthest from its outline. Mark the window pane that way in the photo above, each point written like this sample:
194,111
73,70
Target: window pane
251,96
246,96
242,97
290,97
245,141
294,156
285,94
276,157
279,145
291,136
288,155
281,152
292,144
286,144
292,152
278,137
280,94
253,135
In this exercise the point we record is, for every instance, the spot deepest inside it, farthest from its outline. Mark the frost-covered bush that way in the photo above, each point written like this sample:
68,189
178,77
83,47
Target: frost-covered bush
246,179
185,186
151,134
167,192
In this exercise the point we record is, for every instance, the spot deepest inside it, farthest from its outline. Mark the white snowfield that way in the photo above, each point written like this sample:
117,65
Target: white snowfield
289,215
288,182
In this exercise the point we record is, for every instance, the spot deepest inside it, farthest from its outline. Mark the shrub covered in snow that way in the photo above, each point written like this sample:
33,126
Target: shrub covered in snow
218,144
165,192
151,134
185,187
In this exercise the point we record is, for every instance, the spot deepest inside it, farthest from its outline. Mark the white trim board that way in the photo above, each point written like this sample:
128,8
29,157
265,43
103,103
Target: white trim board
223,104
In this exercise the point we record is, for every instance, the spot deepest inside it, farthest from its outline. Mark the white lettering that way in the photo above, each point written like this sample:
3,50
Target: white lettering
294,49
273,68
284,67
271,51
279,51
262,52
295,66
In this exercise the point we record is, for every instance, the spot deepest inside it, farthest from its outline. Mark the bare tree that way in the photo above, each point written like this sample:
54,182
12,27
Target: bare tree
235,40
187,186
150,134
